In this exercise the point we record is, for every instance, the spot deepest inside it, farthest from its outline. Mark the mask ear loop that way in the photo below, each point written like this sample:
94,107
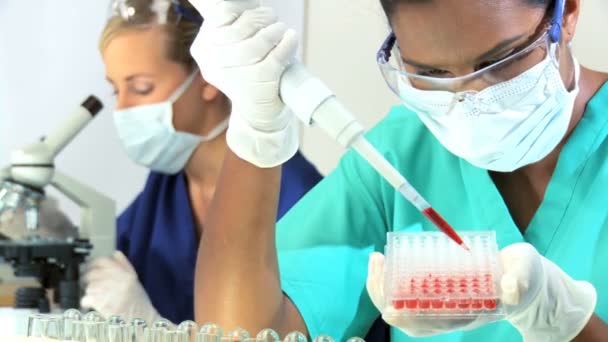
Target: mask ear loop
216,131
577,68
177,94
182,88
553,50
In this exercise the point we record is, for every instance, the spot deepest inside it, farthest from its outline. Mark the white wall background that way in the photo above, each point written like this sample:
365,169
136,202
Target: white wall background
48,64
342,37
590,40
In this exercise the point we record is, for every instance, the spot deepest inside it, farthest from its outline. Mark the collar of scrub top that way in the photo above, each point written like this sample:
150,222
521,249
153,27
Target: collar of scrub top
185,13
555,33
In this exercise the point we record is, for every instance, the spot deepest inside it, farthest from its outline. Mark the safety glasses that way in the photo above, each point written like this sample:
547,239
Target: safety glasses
394,70
149,12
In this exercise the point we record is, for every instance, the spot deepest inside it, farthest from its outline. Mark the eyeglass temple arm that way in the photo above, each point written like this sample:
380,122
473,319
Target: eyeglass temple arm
555,31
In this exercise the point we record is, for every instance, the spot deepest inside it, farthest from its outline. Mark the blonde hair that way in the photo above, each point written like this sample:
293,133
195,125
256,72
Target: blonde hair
180,31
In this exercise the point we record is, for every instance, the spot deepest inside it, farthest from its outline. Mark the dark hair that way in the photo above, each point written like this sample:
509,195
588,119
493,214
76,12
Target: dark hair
389,5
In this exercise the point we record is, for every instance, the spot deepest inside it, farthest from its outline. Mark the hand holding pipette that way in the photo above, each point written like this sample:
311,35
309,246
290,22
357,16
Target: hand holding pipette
264,134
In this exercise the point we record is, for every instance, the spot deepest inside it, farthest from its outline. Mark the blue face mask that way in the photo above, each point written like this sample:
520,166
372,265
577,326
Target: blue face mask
149,138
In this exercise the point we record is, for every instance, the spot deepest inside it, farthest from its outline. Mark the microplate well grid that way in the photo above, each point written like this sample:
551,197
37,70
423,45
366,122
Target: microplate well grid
427,274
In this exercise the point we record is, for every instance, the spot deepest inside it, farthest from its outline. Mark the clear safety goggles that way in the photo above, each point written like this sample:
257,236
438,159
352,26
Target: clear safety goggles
397,73
150,12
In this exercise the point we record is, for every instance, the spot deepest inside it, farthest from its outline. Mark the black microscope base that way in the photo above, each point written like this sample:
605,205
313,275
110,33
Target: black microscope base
54,263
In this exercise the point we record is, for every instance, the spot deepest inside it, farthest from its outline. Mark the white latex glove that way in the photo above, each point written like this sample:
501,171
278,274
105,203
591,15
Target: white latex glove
543,302
243,50
112,288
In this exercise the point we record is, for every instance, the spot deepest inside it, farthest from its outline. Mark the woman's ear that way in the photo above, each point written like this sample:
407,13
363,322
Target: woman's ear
208,92
571,13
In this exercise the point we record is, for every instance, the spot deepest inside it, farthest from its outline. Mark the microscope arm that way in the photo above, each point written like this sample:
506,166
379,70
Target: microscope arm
98,216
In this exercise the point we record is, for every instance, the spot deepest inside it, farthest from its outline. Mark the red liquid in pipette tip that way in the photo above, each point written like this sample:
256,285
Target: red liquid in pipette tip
444,226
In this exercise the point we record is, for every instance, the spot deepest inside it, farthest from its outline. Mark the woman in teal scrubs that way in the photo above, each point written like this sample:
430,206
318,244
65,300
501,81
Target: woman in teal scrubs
500,129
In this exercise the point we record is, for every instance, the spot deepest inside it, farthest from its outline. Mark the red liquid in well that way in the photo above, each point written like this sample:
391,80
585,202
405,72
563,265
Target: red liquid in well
490,304
450,304
437,304
437,295
443,225
411,304
463,303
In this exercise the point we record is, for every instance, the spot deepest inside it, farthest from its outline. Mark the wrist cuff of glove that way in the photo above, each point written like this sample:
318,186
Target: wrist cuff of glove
264,149
571,304
261,121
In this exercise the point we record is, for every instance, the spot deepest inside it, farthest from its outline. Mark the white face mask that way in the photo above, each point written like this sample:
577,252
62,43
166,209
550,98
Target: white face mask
503,127
148,135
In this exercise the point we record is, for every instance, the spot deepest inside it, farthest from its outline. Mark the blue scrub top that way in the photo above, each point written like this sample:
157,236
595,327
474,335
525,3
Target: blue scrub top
157,234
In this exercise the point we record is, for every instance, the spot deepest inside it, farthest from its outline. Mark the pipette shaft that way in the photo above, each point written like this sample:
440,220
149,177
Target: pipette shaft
314,103
378,162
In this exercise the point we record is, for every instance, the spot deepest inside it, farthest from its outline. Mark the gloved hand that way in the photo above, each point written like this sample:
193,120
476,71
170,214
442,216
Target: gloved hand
112,288
543,302
243,50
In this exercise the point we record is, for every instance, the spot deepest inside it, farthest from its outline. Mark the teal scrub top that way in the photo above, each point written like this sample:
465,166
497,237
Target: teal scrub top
325,240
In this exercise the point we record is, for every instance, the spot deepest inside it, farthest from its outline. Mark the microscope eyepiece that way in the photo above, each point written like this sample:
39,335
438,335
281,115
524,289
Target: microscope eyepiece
93,105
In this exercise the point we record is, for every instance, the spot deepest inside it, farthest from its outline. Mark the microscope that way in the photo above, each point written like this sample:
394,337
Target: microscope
54,261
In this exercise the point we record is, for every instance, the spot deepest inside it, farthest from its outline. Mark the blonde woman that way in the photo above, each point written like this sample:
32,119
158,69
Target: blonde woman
172,121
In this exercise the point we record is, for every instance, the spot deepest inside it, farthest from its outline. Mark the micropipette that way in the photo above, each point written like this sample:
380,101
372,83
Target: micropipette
314,103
